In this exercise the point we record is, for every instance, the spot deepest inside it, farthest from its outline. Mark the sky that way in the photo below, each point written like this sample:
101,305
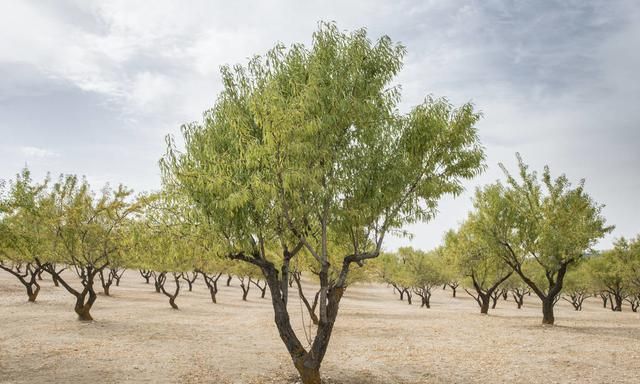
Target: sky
93,88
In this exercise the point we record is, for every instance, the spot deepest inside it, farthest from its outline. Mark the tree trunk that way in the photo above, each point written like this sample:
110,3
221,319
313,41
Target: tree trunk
309,375
33,293
212,284
82,307
158,281
494,299
547,311
484,307
172,297
454,291
229,277
618,302
146,274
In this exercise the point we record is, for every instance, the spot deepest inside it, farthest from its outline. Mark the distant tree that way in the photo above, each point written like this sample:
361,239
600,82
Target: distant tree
478,261
88,232
578,286
550,222
612,272
426,272
24,231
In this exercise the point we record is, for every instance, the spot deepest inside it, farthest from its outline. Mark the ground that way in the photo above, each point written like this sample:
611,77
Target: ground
137,337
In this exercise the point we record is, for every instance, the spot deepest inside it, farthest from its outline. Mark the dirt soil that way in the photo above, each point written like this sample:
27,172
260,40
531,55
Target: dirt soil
138,338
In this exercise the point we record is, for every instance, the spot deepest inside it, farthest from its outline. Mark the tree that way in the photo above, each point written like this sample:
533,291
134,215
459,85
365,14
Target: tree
88,234
613,272
425,270
518,288
479,261
24,233
171,241
305,147
550,222
452,272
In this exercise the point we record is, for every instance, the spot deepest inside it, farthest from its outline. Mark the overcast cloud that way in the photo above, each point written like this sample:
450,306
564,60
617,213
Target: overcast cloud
93,87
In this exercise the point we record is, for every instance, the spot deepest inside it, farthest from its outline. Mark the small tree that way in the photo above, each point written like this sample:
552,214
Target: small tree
24,233
518,289
578,286
478,261
425,271
88,234
552,223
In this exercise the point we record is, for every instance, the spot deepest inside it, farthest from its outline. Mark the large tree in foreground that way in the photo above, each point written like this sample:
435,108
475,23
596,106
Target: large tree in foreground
548,223
305,152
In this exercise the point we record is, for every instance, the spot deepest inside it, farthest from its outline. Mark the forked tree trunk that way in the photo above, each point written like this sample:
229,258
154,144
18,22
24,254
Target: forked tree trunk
28,278
547,311
483,296
605,299
158,280
85,298
518,297
245,288
117,275
494,298
425,295
146,274
190,280
406,291
634,302
172,296
84,302
616,300
484,304
311,309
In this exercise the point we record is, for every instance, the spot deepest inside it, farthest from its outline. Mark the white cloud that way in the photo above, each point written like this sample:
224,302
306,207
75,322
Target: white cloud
35,152
554,80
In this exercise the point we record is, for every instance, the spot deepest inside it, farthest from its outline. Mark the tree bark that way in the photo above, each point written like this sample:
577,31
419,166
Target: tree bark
212,284
547,311
172,296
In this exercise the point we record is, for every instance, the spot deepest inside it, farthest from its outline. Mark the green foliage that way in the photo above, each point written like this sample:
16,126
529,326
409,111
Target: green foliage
476,256
307,144
25,233
548,221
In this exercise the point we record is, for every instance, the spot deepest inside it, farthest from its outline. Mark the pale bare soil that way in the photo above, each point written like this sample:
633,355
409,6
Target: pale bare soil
377,339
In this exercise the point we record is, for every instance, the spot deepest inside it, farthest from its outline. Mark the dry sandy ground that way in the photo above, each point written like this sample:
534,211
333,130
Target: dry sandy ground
377,339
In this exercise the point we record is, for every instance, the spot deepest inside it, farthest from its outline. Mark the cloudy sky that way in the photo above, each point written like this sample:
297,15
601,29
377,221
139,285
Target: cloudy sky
93,87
